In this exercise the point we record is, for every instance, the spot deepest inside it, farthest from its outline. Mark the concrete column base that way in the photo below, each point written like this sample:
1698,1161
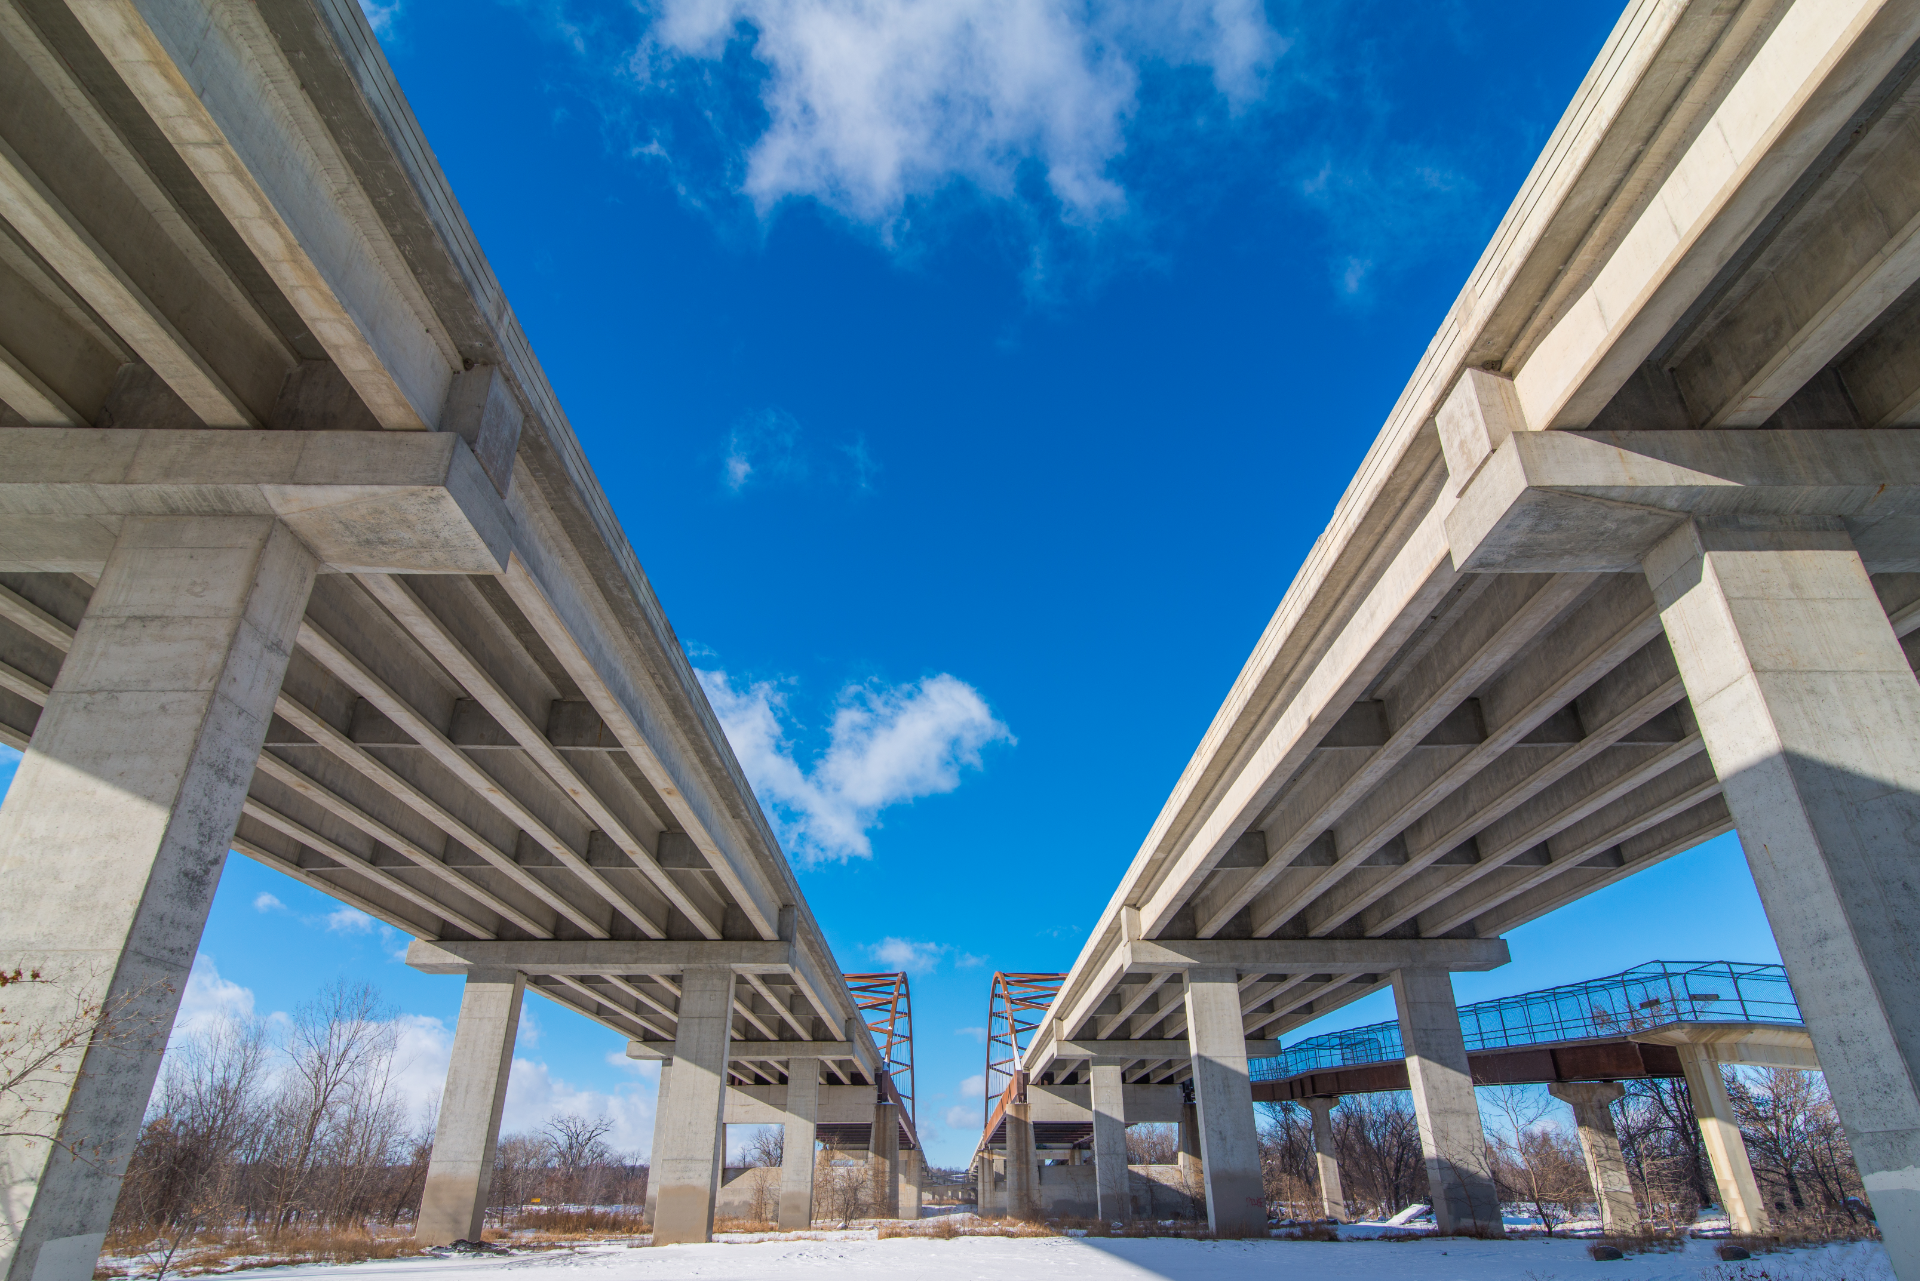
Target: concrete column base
796,1150
689,1128
1112,1182
1726,1148
883,1157
1023,1171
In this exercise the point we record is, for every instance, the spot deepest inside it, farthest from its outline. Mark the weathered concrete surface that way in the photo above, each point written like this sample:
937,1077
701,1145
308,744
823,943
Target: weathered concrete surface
883,1157
119,817
1023,1170
1115,1197
1333,1198
1223,1096
1808,706
802,1104
1592,1103
1455,1146
691,1148
453,1206
659,1140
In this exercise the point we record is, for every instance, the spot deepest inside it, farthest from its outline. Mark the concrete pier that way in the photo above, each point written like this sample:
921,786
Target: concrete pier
1023,1173
454,1204
112,838
1223,1095
1333,1198
883,1157
913,1177
1807,705
1113,1188
1455,1146
659,1137
796,1150
1720,1134
689,1127
1592,1103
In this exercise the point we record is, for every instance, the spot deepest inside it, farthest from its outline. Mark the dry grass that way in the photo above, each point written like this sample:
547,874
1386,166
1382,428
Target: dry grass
126,1255
585,1221
949,1227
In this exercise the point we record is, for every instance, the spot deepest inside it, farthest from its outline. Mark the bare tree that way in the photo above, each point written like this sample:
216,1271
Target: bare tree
579,1150
45,1038
844,1191
1534,1160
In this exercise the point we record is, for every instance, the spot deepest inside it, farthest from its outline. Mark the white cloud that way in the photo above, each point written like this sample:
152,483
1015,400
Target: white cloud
265,902
209,1000
872,103
349,920
961,1117
905,954
888,744
763,447
977,1033
973,1087
535,1095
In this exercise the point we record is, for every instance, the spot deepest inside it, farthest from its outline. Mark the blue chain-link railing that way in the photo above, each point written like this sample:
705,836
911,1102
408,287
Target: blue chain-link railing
1644,997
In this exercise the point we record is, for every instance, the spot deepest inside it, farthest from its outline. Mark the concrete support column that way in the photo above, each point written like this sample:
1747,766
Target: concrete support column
1333,1198
912,1176
1720,1135
1114,1189
112,839
690,1134
1592,1104
1023,1169
1223,1097
883,1159
1808,710
796,1148
659,1133
453,1206
1458,1176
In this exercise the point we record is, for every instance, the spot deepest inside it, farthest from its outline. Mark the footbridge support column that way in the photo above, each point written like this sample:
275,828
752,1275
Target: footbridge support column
796,1148
112,838
1333,1198
1111,1178
1720,1135
1455,1146
1592,1103
1223,1095
453,1206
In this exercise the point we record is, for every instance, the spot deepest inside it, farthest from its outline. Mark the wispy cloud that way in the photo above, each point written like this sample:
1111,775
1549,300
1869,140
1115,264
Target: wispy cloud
888,744
381,15
916,957
767,448
977,1033
350,920
265,902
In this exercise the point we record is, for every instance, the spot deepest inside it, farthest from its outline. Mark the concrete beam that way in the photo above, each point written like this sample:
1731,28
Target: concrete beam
754,1051
1352,956
1744,1044
360,501
1158,1049
600,956
1565,501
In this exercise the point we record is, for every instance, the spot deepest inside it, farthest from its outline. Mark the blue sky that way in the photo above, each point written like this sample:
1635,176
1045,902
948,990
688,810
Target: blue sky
971,377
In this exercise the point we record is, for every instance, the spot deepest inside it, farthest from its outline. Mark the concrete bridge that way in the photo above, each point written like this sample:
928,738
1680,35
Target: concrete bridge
1632,563
299,556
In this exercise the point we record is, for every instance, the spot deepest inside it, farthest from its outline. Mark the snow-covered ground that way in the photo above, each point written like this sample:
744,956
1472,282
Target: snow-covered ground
858,1256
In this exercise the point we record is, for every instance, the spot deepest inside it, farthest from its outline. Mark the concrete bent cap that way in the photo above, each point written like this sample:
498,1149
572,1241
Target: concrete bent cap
363,502
1598,502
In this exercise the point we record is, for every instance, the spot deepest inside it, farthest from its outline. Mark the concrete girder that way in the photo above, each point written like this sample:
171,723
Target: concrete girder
357,676
1503,627
224,94
1612,775
1755,146
446,647
1841,261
